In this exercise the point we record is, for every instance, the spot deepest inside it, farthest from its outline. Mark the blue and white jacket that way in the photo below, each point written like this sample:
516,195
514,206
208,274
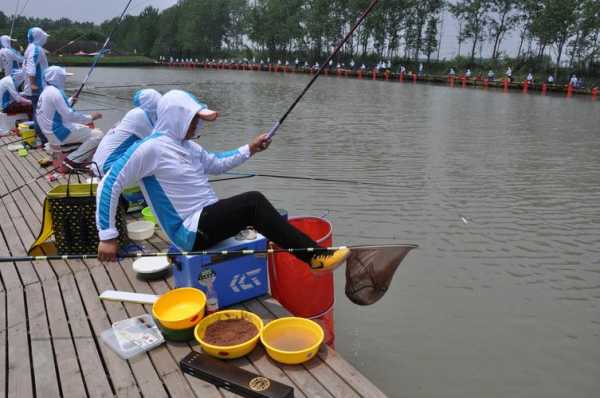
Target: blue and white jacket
54,112
172,172
137,124
35,58
9,89
10,59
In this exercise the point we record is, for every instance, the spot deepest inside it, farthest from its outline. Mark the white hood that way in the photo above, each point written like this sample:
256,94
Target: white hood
37,36
147,100
18,76
55,76
5,41
176,109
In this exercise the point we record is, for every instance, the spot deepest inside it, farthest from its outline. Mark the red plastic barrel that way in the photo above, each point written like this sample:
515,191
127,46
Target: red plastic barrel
327,322
299,290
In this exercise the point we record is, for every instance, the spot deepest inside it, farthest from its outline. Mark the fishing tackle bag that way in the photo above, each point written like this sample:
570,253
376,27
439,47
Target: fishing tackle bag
70,215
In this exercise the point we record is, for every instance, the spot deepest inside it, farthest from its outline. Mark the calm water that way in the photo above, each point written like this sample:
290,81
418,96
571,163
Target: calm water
501,192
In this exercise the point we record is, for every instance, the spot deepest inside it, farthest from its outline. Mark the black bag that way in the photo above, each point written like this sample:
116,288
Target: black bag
70,214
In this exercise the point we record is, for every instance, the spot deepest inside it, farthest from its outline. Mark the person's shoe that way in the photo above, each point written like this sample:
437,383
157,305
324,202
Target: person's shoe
74,167
329,259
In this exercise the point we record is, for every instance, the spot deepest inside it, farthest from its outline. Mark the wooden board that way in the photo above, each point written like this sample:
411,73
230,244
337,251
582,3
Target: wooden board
51,320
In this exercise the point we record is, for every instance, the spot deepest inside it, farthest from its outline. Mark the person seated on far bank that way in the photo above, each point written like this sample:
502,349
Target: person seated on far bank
550,79
61,124
573,81
136,125
172,171
12,101
491,75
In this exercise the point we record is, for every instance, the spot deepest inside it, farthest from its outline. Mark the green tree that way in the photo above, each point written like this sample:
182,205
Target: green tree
473,13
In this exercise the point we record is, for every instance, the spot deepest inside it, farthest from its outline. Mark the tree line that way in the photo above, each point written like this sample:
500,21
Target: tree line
552,33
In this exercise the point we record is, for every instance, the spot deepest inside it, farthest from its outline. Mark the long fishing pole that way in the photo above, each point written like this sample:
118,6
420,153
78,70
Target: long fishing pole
326,63
12,25
319,179
92,256
100,53
69,43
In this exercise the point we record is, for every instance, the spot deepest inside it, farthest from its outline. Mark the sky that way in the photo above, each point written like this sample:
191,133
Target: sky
101,10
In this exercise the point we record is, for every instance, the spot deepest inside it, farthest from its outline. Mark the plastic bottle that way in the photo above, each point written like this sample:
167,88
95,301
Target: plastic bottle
207,279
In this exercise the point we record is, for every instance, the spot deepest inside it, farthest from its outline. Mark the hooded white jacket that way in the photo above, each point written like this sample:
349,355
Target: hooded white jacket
137,124
10,58
35,58
54,113
9,89
173,173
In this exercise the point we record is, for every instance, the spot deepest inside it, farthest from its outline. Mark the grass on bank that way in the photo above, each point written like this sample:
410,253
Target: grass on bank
109,60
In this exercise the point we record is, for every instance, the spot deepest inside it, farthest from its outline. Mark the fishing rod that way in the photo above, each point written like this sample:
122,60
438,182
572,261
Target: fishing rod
319,179
71,42
12,25
277,124
243,252
103,50
144,85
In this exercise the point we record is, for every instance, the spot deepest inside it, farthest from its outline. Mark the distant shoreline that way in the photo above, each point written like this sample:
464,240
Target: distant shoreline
142,61
118,60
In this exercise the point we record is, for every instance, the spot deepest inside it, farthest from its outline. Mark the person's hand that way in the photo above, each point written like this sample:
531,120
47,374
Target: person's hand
107,250
25,101
34,87
73,100
260,143
96,115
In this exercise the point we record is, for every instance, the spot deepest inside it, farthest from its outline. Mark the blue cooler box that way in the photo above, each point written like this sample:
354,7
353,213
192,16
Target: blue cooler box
235,278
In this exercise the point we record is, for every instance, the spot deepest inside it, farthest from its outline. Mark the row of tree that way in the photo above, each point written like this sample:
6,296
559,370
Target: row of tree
405,29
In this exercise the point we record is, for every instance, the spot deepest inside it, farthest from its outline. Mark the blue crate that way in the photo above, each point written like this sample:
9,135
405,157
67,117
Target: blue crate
236,279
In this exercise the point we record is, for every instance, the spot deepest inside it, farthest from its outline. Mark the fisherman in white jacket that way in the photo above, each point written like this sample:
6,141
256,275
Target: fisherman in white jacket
173,173
34,65
10,59
61,124
137,124
12,101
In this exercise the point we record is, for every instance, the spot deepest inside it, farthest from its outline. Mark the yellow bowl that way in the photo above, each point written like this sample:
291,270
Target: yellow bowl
180,308
228,352
292,340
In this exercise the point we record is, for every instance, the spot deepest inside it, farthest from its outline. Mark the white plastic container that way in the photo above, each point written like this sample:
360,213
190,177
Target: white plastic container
133,336
140,230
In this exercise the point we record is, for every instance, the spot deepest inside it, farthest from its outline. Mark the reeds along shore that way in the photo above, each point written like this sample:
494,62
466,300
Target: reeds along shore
387,75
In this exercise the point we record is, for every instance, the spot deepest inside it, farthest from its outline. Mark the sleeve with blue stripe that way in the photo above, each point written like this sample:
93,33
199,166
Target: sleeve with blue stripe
68,114
138,162
221,162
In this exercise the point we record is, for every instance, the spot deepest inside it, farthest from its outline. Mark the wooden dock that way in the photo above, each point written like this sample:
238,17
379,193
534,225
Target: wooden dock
51,319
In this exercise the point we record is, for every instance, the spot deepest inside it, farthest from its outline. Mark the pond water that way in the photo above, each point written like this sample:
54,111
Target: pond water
500,191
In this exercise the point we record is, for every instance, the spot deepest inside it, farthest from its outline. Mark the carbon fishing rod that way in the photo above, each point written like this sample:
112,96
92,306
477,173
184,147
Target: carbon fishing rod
17,14
319,179
102,51
92,256
69,43
365,13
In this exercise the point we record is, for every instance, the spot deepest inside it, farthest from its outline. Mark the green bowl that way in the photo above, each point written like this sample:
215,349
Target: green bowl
148,215
182,335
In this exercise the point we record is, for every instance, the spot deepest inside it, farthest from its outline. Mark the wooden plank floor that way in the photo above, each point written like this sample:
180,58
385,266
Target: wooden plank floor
51,319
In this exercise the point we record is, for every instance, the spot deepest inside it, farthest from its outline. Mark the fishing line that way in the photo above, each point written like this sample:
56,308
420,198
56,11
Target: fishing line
102,51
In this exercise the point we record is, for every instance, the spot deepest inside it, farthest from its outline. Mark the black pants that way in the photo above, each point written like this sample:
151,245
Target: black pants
227,217
34,97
